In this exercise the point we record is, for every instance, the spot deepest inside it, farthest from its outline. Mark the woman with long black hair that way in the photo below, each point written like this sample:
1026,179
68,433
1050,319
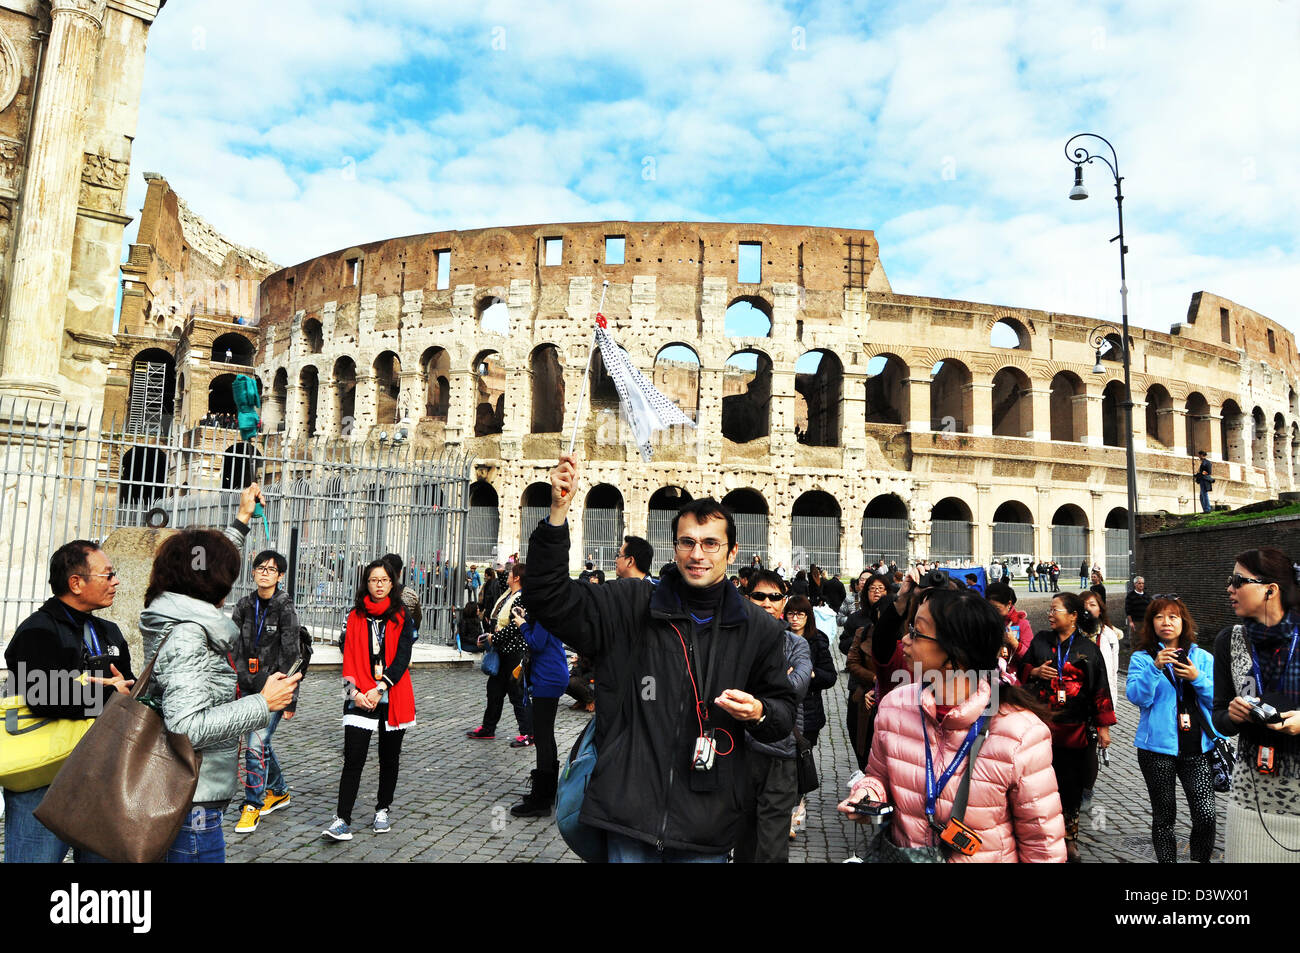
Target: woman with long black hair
1066,670
1257,661
381,699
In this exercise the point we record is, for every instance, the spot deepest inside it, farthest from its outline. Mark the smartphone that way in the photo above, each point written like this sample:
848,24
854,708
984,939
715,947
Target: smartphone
1181,656
293,669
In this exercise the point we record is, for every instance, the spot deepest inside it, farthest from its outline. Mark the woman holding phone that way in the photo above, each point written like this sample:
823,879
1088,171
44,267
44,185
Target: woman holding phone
1171,681
381,699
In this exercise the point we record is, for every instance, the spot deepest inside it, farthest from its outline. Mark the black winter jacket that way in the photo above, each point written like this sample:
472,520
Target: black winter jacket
823,677
643,785
48,652
276,650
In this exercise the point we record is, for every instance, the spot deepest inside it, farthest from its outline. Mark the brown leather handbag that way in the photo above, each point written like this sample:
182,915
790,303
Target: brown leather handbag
127,787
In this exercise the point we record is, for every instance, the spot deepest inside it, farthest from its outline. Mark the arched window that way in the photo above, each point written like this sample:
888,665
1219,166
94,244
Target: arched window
602,525
534,506
1232,422
1116,531
490,394
1013,411
1198,423
388,388
313,336
233,349
345,395
482,524
746,396
1069,415
815,532
951,400
664,504
308,384
887,397
749,509
435,370
1160,416
884,531
547,390
1013,530
1070,538
818,384
1010,333
748,317
493,315
951,539
1259,439
677,375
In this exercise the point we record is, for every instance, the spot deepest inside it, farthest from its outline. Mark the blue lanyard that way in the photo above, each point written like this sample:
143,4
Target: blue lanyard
1061,660
1281,676
259,620
92,646
932,787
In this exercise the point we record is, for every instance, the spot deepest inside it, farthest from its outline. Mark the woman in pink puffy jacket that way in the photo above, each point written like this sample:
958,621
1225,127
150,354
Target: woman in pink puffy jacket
1013,804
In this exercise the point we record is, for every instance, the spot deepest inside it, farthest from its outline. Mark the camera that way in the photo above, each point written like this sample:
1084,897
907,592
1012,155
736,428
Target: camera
933,578
1263,712
873,808
702,759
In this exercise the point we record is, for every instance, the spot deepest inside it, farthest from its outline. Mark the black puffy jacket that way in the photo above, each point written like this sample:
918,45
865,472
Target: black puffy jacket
643,785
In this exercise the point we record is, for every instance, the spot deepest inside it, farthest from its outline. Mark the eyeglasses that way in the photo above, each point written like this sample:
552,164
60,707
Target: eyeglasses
795,612
685,544
766,596
266,569
110,575
1237,580
914,635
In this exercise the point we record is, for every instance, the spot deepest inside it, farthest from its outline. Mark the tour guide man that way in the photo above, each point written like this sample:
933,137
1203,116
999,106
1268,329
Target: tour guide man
657,650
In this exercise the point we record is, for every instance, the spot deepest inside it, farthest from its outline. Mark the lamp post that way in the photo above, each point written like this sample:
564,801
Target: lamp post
1080,156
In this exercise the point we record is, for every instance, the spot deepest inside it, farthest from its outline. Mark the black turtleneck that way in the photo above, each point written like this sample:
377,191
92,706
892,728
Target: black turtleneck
702,604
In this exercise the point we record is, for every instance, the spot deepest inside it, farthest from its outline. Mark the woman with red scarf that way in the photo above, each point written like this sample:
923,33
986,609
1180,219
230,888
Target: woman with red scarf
376,656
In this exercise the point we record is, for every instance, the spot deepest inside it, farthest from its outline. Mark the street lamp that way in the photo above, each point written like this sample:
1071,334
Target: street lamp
1081,156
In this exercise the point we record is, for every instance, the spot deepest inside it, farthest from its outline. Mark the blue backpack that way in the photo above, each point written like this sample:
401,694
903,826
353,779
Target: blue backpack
571,789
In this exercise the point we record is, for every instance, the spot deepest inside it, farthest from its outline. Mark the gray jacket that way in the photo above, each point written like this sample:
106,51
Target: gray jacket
197,686
799,657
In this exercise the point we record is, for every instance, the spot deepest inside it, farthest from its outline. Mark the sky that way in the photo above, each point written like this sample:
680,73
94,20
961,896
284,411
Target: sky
300,127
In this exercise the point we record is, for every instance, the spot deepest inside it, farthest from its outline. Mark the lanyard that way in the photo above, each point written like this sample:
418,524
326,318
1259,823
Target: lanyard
92,643
259,620
1062,659
1254,661
932,787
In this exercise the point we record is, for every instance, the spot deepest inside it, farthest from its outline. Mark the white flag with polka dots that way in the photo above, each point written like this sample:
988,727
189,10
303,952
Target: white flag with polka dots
646,408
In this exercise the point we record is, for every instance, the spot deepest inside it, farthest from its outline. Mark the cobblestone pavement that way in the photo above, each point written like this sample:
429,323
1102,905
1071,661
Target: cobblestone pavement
454,794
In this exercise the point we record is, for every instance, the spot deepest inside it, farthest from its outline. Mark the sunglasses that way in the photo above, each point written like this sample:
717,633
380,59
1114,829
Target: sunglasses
766,596
1237,580
1168,595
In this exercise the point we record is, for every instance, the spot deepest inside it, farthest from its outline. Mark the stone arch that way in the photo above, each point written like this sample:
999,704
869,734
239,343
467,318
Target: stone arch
1010,333
547,387
489,393
602,525
221,394
819,390
1197,421
1115,532
951,536
345,394
601,392
233,348
492,315
815,531
1069,416
748,316
144,401
677,374
887,389
240,465
1070,538
1013,530
313,336
1281,454
951,397
885,530
534,506
388,388
308,390
746,396
749,509
1231,424
482,523
1259,439
1160,415
278,405
1112,414
143,475
435,377
1013,410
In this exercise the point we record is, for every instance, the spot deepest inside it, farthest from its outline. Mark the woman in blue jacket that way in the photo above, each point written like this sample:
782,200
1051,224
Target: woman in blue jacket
1172,680
548,679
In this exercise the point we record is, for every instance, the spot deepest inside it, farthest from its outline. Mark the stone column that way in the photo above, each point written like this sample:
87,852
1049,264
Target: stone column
981,403
43,254
1139,426
918,404
1216,449
1088,419
1179,425
1041,402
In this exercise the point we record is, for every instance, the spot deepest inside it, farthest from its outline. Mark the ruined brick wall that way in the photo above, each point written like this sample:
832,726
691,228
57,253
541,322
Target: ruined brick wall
331,327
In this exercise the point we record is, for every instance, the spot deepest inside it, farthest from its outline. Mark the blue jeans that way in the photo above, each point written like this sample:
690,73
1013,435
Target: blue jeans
628,850
28,841
261,767
1031,584
1205,498
200,840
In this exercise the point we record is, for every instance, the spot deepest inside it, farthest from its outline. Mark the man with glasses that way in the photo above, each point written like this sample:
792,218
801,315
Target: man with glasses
773,789
683,669
64,661
268,642
634,558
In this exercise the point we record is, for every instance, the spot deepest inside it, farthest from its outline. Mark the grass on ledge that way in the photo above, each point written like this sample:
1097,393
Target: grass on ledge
1234,516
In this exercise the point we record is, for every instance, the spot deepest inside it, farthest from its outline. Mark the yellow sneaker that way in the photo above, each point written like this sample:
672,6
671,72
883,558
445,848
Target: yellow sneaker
275,801
248,820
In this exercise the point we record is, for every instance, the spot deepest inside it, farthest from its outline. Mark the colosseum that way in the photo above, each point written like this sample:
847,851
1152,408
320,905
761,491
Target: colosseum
841,421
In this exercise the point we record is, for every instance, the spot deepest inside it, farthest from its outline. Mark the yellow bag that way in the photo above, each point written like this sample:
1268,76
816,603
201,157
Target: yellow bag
32,747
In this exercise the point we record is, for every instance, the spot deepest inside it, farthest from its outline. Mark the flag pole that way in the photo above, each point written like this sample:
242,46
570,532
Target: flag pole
582,391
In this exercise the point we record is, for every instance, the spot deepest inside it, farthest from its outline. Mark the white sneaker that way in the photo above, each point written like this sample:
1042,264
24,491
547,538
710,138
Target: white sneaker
381,822
337,830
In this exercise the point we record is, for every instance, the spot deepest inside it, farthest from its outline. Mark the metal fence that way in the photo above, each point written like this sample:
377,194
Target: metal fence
1012,538
751,537
331,505
483,524
529,517
1116,563
602,535
816,541
884,539
659,533
1070,548
950,539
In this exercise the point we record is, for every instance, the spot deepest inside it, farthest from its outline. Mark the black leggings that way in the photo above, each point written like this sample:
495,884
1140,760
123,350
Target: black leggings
1071,767
544,733
356,745
1160,771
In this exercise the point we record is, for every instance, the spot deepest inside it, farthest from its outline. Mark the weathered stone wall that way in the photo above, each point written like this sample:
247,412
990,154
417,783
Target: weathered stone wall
824,289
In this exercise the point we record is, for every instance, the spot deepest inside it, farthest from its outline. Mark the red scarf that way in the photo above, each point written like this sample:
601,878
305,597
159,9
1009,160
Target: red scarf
356,659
